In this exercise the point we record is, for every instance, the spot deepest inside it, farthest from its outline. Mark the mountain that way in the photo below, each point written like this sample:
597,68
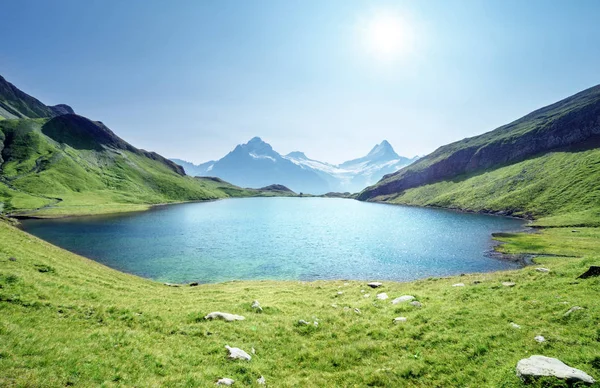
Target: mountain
256,162
55,162
544,164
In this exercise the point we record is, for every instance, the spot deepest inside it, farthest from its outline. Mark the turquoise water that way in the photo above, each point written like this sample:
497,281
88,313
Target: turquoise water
283,238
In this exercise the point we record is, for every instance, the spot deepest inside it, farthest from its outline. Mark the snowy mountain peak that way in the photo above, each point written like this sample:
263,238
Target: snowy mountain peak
297,155
383,150
257,146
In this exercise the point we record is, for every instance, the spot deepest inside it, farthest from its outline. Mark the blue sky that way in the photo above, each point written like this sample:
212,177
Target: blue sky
191,79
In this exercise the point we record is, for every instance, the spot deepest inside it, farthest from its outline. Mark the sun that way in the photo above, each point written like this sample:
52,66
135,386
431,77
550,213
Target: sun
386,35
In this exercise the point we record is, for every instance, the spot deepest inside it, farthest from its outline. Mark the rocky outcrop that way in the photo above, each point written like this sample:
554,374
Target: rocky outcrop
540,366
574,121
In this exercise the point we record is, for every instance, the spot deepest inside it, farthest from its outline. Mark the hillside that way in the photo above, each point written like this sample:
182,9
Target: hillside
54,163
544,164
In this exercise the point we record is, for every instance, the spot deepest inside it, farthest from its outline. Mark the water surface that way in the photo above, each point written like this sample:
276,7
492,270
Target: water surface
283,238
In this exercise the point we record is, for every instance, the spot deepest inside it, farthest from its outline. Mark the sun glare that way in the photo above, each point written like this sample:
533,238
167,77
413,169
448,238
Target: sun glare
386,35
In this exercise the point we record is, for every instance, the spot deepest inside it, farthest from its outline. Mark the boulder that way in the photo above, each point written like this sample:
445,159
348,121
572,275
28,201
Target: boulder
593,271
416,304
357,310
303,322
171,285
375,284
194,284
539,366
382,296
399,319
514,325
539,338
12,259
509,284
572,310
403,298
458,285
237,353
541,269
340,292
256,306
225,381
261,380
367,295
224,316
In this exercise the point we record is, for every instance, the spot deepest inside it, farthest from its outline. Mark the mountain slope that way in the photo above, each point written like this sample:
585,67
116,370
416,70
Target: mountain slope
509,169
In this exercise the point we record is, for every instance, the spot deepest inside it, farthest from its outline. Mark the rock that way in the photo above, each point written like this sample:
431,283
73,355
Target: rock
593,271
539,366
509,284
399,319
194,284
539,338
515,325
303,322
346,284
458,285
253,350
357,310
416,304
237,354
224,316
362,291
375,284
382,296
256,306
540,269
171,285
366,295
574,231
403,298
572,310
316,324
225,381
477,282
340,292
261,380
12,259
334,306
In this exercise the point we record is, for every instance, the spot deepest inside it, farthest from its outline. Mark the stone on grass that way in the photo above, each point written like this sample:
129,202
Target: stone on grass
225,381
362,291
340,292
572,310
541,366
303,322
403,298
224,316
382,296
458,285
171,285
12,259
399,319
194,284
539,338
416,304
374,284
237,354
509,284
261,380
594,270
334,306
357,310
366,295
476,281
256,306
515,325
541,269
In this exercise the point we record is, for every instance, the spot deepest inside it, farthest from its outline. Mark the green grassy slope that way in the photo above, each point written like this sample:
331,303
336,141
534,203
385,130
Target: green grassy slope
66,320
559,188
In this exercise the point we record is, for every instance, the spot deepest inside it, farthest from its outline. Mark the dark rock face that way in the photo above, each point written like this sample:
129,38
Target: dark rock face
275,188
593,271
19,104
574,121
62,109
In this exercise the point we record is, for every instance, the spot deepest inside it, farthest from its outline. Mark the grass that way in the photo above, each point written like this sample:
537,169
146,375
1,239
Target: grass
66,320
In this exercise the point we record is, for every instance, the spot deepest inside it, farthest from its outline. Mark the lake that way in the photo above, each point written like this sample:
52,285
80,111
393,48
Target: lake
283,238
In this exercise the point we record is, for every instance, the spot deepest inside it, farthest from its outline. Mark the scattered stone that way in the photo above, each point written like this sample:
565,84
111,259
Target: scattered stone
416,304
194,284
539,338
509,284
382,296
256,306
253,350
540,269
346,284
375,284
225,381
303,322
171,285
403,298
593,271
362,291
12,259
261,380
574,231
399,319
237,354
340,292
366,295
316,324
515,325
334,306
458,285
477,282
572,310
224,316
357,310
541,366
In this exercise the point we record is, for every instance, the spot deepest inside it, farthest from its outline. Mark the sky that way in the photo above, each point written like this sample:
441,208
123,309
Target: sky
332,78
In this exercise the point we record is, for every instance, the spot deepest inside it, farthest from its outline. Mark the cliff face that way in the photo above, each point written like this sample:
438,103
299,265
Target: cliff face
574,121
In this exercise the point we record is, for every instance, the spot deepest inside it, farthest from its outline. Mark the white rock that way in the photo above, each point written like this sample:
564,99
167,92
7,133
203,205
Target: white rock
303,322
416,303
367,295
225,316
225,381
362,291
399,319
515,325
509,284
256,306
382,296
537,366
340,292
539,338
374,284
458,285
346,284
572,310
357,310
316,323
540,269
253,350
403,298
261,380
334,306
237,353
